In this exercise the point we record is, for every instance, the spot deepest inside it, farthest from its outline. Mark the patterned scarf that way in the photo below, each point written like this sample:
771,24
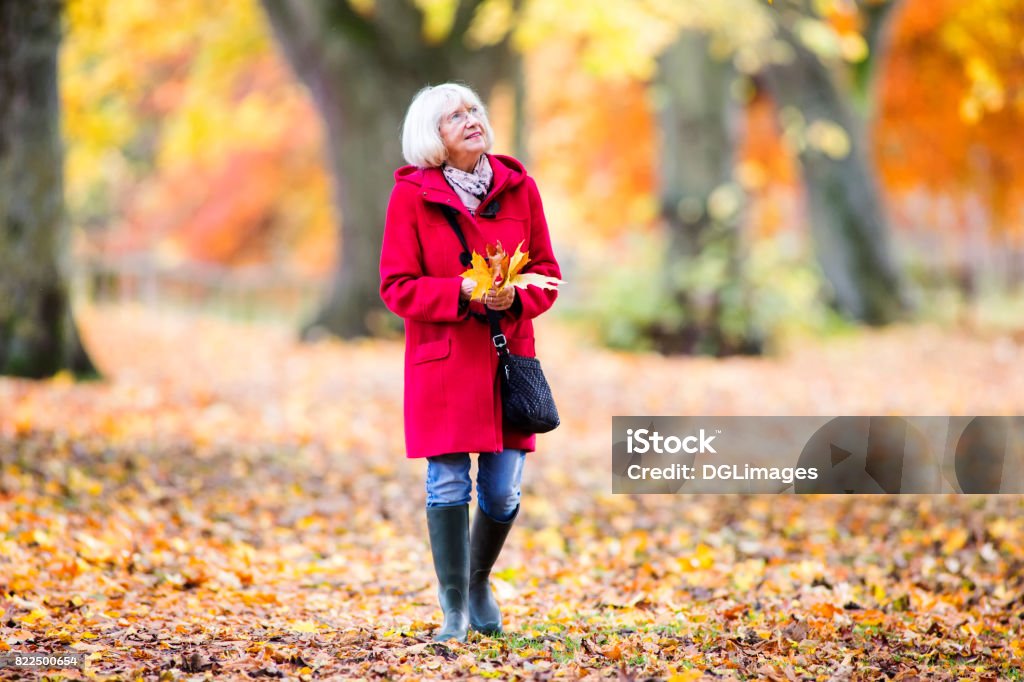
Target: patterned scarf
471,187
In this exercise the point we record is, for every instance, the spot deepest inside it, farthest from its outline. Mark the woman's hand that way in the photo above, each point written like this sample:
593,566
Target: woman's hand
501,299
467,289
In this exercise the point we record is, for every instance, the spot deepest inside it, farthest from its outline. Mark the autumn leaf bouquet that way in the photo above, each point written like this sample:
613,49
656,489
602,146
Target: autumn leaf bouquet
499,270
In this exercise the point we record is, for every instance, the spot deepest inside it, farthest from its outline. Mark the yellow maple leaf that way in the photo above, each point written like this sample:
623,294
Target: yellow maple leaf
34,616
302,626
517,278
518,261
480,273
691,675
536,280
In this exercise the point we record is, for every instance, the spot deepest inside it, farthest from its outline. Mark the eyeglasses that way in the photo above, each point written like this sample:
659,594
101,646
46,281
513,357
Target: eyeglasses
461,115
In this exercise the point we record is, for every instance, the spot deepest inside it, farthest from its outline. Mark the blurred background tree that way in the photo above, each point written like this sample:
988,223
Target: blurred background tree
362,62
818,110
708,307
38,336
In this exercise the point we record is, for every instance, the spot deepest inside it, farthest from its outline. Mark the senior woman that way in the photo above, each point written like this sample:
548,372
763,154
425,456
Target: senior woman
452,402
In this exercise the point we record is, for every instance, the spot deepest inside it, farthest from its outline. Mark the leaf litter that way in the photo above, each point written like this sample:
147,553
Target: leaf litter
232,504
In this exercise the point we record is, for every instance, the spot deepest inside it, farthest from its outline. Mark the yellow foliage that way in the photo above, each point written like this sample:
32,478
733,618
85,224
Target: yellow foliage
491,23
619,38
702,558
165,107
956,540
363,7
438,18
35,616
829,137
303,626
693,674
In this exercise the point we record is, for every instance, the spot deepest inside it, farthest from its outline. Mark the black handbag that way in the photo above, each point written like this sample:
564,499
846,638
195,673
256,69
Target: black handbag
526,401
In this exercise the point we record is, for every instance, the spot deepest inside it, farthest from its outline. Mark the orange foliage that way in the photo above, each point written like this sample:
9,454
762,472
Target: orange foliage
228,223
843,17
766,169
269,203
595,139
200,150
925,136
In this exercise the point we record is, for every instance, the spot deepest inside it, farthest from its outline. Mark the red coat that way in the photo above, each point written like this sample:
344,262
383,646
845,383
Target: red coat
452,401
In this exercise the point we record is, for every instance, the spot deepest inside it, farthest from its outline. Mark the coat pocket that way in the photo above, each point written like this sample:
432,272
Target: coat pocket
522,345
509,231
432,350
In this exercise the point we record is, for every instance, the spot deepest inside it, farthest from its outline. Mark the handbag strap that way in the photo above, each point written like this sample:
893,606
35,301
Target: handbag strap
493,316
465,257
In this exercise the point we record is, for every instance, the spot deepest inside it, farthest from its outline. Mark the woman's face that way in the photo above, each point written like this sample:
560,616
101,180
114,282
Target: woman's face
463,134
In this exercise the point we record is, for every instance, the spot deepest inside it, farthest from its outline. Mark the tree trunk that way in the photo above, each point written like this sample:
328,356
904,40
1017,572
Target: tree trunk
362,72
37,332
700,121
847,216
876,30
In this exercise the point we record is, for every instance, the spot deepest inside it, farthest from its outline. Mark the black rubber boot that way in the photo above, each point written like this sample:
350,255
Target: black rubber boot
449,543
485,545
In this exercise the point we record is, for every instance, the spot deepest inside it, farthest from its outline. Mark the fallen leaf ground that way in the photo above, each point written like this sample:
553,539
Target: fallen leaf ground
231,504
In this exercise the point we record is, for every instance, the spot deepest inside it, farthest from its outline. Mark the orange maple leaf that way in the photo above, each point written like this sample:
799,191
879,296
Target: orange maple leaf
499,270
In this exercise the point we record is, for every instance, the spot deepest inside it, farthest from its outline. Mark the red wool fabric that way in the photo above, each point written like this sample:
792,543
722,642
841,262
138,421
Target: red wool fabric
452,401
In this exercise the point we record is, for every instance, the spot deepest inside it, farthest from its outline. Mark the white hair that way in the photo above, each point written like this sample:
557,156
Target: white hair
421,131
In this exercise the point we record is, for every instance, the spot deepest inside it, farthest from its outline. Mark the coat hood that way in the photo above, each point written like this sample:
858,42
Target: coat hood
508,172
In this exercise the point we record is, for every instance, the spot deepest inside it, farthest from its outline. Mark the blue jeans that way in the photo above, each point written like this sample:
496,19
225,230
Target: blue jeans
497,481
